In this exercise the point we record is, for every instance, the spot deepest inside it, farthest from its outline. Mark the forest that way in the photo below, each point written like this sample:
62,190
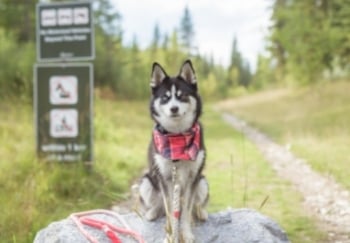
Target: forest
308,41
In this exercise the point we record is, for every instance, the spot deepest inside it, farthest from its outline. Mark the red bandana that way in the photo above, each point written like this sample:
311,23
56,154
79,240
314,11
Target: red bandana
183,146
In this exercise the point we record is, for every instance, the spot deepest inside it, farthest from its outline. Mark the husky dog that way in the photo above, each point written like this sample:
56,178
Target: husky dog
177,140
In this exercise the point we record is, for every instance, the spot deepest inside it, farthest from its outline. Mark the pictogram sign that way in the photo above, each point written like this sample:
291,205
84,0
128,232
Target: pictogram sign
63,111
65,31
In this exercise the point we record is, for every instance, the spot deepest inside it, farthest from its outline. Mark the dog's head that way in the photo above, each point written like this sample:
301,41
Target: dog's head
175,102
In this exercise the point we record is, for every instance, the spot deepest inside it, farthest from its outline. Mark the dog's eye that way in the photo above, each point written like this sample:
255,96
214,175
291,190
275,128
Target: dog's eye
183,97
165,98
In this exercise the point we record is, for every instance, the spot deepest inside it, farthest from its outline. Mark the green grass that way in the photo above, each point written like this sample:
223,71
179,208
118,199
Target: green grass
240,177
34,193
313,121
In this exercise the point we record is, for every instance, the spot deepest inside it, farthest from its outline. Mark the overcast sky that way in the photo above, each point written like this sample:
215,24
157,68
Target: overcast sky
215,23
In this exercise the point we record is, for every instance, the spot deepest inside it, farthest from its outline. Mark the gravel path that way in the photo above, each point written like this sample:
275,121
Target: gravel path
326,199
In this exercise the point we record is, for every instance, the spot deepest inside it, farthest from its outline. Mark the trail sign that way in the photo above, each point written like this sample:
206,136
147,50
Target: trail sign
63,111
65,31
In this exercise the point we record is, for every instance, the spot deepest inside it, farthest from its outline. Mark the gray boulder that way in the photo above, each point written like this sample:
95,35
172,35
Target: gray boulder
232,225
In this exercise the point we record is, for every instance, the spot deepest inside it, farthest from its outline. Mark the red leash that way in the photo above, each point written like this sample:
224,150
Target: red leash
110,230
102,226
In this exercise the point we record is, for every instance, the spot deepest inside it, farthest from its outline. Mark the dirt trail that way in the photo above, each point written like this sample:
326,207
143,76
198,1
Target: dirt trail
326,199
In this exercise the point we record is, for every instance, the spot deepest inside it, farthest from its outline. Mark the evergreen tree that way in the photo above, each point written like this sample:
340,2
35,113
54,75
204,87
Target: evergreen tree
239,70
186,30
245,76
155,44
236,57
156,37
165,43
135,81
108,44
107,18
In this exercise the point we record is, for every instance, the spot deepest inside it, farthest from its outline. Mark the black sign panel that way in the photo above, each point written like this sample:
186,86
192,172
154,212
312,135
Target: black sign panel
65,31
63,112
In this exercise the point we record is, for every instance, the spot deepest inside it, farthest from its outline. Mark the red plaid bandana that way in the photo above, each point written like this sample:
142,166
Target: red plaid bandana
183,146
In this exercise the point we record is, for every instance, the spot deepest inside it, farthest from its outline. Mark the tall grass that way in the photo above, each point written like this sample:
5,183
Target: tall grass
34,193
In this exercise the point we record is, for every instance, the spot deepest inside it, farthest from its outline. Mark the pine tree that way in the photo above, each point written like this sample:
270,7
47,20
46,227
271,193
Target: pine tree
245,75
239,70
186,30
165,42
236,57
108,44
107,18
156,38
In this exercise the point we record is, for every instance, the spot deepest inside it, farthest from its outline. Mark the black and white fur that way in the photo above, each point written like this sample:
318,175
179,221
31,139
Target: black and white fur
175,106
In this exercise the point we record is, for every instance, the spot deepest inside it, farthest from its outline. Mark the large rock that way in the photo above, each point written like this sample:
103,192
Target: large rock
240,225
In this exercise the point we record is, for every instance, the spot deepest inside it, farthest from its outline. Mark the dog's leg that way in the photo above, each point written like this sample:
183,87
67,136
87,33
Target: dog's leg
186,215
201,198
151,199
194,201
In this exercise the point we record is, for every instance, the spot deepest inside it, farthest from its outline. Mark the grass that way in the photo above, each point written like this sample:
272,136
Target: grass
313,121
34,193
240,177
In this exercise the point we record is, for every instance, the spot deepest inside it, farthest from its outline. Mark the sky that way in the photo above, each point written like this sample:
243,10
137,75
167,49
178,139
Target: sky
215,24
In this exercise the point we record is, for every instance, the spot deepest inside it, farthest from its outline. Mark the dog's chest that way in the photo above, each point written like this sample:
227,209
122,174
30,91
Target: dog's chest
186,171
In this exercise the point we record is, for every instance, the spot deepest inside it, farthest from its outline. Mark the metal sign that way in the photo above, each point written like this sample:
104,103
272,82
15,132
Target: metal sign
65,31
63,111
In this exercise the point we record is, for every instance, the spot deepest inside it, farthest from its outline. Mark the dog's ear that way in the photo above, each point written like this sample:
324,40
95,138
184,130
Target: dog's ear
187,72
158,75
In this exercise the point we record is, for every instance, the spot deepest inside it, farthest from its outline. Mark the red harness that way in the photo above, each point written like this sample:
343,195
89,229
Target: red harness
184,146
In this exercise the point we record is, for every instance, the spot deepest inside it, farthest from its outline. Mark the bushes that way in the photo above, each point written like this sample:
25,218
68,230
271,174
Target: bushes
16,62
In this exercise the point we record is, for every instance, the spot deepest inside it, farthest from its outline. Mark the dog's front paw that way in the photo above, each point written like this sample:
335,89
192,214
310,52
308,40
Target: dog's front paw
201,214
151,214
188,237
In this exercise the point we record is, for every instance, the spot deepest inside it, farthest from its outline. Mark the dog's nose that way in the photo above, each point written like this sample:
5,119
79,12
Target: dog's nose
174,109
